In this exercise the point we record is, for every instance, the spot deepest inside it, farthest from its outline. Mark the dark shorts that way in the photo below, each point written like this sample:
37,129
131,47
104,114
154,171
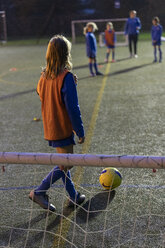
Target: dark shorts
110,46
64,142
157,43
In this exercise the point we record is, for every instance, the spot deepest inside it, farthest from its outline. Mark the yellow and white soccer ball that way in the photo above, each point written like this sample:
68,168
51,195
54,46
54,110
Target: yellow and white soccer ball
110,178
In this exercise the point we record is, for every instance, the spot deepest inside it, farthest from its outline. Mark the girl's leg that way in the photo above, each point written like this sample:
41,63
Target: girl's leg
130,44
66,176
113,54
135,39
96,67
55,174
107,55
155,54
91,67
160,54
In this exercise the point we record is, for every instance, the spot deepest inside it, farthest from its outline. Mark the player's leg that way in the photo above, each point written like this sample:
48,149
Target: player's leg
135,40
67,181
155,54
130,44
96,68
107,55
160,54
91,67
113,54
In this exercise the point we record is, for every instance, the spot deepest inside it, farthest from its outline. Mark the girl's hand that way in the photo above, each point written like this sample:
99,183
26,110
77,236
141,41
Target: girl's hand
75,78
81,140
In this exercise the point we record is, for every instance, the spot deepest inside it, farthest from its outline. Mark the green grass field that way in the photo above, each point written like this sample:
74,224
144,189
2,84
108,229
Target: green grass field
130,120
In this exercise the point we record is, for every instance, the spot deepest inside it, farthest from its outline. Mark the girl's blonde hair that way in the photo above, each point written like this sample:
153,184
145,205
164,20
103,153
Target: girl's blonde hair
90,24
133,11
110,24
58,56
156,19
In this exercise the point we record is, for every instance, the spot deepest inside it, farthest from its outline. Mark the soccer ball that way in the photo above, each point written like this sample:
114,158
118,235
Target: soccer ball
110,178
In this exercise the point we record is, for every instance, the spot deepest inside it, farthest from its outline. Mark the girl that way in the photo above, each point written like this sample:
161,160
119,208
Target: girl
133,25
156,33
91,47
110,39
61,115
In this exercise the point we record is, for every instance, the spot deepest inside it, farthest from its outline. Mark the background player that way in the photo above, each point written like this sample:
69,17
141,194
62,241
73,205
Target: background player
132,27
91,47
110,39
156,33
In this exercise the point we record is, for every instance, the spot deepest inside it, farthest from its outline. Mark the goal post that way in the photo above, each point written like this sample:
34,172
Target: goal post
3,27
119,25
126,161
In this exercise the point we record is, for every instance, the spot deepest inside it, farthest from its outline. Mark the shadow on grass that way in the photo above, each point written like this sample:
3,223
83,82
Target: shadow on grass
27,234
93,207
128,69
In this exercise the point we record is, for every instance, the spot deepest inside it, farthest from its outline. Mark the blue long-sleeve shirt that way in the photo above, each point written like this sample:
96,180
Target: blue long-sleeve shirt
133,25
156,33
70,98
91,45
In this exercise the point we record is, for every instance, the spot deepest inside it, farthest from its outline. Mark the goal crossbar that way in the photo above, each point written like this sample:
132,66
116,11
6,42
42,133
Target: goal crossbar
126,161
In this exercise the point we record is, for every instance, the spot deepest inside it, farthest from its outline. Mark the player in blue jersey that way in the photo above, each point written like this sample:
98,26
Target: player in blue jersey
91,47
132,27
156,33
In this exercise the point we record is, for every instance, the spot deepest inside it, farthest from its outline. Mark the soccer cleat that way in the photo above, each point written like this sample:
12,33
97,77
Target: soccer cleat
136,56
99,74
155,60
42,200
106,60
113,61
79,199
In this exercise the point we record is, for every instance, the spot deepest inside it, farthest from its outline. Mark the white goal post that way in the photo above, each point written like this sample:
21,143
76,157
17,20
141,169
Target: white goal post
125,161
101,35
3,27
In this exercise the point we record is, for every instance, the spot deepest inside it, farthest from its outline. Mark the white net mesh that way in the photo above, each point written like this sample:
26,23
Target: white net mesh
130,216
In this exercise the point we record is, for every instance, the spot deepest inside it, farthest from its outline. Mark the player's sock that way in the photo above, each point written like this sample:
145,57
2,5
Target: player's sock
107,56
95,66
113,55
155,54
69,186
160,55
90,69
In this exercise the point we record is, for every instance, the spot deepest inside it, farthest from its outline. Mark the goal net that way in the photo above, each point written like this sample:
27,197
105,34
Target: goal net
132,215
119,25
3,28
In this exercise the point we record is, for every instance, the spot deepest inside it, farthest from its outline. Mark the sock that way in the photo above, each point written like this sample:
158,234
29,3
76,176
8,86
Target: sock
95,66
90,68
155,53
160,54
107,56
113,55
52,177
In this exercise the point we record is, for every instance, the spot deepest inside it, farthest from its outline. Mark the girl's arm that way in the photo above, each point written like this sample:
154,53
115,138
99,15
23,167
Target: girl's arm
70,99
138,24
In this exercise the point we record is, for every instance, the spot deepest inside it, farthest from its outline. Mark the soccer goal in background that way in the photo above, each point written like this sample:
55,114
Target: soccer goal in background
3,27
119,25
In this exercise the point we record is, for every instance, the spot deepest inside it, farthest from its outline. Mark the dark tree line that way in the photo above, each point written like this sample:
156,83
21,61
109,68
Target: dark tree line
47,17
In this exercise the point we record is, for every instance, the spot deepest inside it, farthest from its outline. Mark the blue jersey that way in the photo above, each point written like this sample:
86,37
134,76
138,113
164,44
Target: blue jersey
133,25
156,33
91,45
